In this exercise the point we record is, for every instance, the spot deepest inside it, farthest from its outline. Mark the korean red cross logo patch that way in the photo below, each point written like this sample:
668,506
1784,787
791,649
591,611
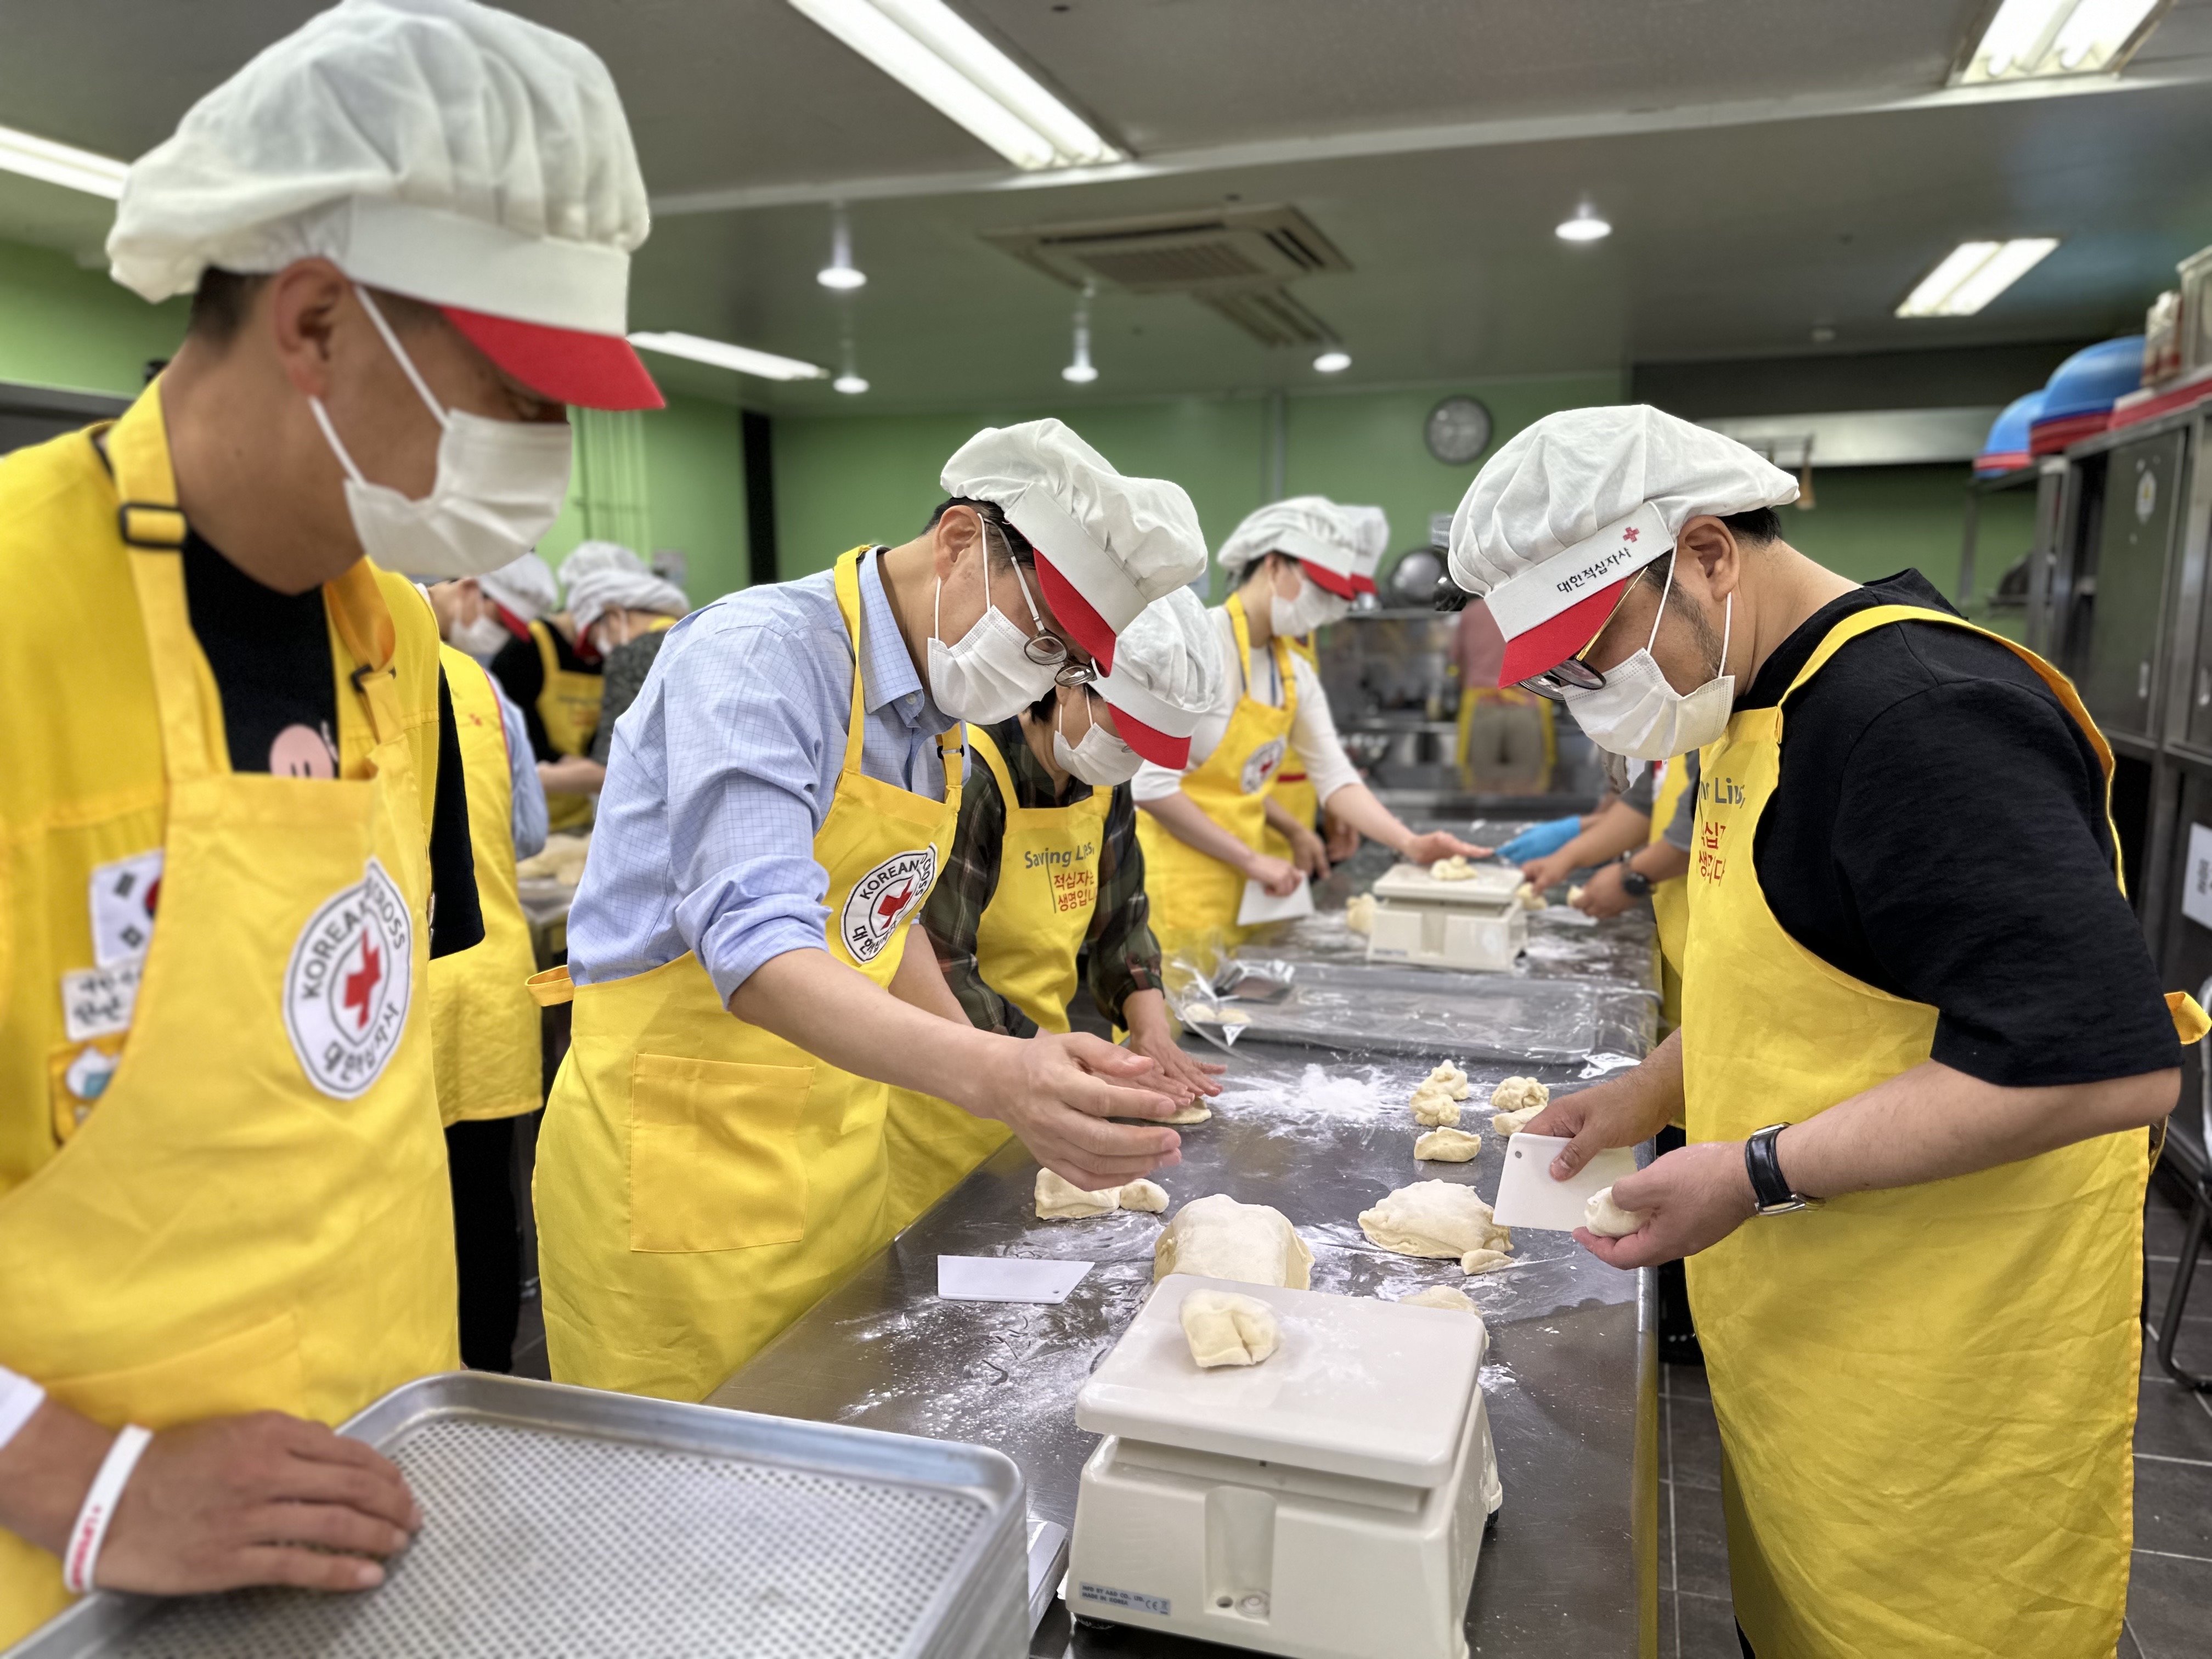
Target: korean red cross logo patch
347,988
884,900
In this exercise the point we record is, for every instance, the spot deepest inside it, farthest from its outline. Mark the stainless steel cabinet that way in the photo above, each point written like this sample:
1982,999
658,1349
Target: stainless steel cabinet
2128,621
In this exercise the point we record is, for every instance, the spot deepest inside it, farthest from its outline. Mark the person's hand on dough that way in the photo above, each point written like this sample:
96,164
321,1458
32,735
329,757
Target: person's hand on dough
1693,1197
1603,895
1613,1113
1308,853
1184,1076
1442,844
1277,879
1056,1091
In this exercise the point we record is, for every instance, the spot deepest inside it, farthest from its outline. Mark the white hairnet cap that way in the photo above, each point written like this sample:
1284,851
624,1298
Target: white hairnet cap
526,587
1371,524
1107,545
439,148
604,576
1166,676
1570,508
1311,529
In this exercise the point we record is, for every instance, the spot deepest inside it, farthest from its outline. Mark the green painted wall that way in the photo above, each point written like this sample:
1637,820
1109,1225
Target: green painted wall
1872,521
695,482
63,326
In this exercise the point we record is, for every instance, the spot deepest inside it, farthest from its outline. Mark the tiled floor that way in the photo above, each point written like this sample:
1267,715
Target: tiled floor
2170,1596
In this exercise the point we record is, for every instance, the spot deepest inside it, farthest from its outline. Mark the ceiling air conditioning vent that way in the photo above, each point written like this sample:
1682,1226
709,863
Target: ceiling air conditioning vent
1272,318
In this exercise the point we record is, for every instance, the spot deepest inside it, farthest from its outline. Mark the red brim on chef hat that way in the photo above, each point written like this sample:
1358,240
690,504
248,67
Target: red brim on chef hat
1552,642
1076,617
1341,583
1154,744
569,364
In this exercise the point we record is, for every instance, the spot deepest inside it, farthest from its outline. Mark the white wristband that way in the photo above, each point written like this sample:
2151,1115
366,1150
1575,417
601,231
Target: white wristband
82,1557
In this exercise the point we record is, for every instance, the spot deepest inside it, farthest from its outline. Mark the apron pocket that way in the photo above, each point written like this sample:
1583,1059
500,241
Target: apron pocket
714,1154
254,1369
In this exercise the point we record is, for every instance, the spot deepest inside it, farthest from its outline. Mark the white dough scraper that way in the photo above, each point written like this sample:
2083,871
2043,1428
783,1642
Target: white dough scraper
1528,1197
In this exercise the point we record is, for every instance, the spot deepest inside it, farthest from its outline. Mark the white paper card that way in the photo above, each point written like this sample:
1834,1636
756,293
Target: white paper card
2197,883
1006,1279
98,1002
1259,905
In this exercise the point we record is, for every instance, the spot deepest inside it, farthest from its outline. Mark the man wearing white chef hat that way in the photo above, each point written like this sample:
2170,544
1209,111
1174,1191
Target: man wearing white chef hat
780,801
1046,865
223,1208
1921,1041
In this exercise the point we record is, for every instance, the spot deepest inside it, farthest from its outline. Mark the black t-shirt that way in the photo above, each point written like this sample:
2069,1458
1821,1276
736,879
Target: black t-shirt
1939,832
521,672
271,656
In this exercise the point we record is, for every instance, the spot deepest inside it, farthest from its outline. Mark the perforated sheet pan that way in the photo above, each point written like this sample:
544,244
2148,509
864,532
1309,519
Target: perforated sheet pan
568,1521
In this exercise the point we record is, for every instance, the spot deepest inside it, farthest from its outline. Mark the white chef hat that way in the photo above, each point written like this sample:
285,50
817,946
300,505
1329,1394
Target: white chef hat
525,587
1107,545
439,148
1569,509
604,576
1311,529
1371,524
1166,676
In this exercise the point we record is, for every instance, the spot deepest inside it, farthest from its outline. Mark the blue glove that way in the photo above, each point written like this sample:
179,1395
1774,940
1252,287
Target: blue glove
1542,841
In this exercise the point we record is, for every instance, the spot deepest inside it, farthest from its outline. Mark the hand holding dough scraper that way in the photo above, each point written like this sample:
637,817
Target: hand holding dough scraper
1528,1197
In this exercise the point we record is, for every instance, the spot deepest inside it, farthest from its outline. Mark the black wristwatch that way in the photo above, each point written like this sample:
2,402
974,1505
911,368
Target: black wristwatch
1772,1193
1633,882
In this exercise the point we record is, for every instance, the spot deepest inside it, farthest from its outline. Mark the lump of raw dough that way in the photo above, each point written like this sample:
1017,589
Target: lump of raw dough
1448,1146
1519,1094
1608,1219
1191,1113
1359,913
1529,898
1455,868
1433,1107
1226,1329
1147,1195
1446,1079
1217,1238
1575,897
1509,1124
1058,1199
1434,1218
1438,1296
1481,1262
561,859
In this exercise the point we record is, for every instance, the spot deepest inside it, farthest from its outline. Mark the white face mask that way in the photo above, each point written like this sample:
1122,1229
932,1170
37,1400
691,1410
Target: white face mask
499,487
482,638
1314,607
986,675
1100,759
1637,713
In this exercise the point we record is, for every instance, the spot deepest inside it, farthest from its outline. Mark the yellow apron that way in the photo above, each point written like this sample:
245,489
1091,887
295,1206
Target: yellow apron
1025,948
701,1182
1670,900
253,1213
568,705
1194,897
1927,1395
1292,790
484,1028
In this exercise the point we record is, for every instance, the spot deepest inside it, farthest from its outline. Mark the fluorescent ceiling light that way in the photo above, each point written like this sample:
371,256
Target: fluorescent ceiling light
722,354
841,273
1584,227
1333,362
1972,274
61,164
2028,39
937,55
848,383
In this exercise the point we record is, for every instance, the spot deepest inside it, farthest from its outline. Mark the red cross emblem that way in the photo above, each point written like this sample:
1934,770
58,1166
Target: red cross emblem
1630,533
361,984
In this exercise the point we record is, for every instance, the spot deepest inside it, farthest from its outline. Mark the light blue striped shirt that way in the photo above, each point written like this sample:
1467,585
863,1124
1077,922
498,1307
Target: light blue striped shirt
525,796
723,771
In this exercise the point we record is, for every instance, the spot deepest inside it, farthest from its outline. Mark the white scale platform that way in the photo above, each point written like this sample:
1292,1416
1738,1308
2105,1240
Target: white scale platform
1476,924
1327,1504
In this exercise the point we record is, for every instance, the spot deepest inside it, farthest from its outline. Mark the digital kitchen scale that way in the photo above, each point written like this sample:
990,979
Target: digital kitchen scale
1327,1504
1477,924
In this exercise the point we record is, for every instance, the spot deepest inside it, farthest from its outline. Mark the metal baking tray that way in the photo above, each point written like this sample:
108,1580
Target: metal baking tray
565,1520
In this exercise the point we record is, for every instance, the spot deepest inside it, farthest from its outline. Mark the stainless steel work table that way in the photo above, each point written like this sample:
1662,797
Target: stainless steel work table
1571,1562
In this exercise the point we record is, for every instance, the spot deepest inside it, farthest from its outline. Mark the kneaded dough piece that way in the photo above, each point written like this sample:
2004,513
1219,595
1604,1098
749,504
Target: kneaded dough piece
1482,1261
1455,868
1147,1195
1519,1094
1224,1328
1608,1219
1059,1200
1529,898
1439,1296
1433,1218
1193,1113
1512,1123
1448,1146
1432,1108
1359,913
1575,897
1217,1238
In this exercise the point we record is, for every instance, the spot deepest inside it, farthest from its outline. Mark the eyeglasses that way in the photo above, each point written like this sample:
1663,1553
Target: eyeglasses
1044,647
1572,675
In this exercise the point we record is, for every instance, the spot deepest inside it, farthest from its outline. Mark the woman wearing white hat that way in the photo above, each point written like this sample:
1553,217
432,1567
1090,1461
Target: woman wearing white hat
779,801
1206,822
223,1204
1046,864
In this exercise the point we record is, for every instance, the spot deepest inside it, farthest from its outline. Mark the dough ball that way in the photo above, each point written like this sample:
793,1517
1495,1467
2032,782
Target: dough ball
1575,897
1224,1328
1519,1094
1455,868
1217,1238
1433,1218
1058,1199
1446,1146
1439,1296
1446,1071
1146,1195
1193,1113
1482,1261
1512,1123
1434,1108
1529,898
1359,913
1608,1219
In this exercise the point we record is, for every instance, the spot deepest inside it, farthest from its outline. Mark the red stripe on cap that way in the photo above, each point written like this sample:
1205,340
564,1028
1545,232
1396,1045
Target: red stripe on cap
1366,584
1334,582
1552,642
1075,616
1155,746
592,371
